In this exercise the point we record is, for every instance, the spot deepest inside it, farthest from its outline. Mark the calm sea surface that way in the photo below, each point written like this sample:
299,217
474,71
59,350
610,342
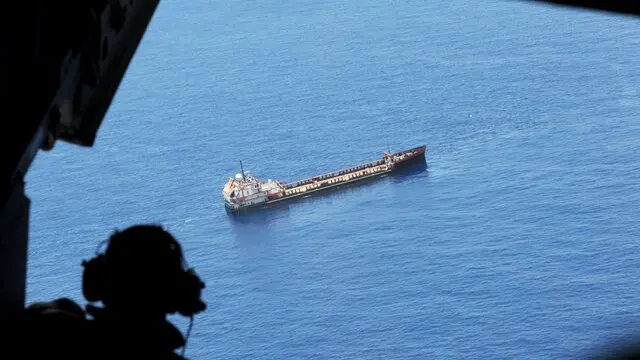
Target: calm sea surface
519,240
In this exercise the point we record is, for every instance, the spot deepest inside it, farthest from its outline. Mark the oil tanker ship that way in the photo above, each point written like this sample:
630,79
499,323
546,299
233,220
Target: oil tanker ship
244,191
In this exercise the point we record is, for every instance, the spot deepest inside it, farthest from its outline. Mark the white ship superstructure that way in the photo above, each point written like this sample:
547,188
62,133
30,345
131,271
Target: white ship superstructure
246,190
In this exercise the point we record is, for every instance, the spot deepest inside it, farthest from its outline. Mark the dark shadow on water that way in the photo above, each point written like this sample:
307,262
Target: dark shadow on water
410,171
260,215
279,210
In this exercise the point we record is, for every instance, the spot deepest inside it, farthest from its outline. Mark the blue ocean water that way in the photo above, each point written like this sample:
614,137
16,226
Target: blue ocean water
519,240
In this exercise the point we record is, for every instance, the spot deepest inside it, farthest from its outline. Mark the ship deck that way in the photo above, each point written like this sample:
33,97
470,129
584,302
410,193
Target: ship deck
337,180
329,177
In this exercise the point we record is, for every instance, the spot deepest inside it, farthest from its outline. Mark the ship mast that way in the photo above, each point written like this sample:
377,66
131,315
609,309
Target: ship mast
244,179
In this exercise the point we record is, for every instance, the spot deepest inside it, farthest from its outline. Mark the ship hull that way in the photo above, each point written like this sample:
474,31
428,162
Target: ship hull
314,192
417,157
411,161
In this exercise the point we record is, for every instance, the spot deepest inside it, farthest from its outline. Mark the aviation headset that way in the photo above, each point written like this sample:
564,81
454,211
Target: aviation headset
182,288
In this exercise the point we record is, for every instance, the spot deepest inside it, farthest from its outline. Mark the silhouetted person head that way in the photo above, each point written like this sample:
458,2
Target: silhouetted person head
142,273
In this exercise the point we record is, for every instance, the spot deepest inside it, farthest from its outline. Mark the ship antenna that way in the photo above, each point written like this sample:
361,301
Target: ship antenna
242,169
